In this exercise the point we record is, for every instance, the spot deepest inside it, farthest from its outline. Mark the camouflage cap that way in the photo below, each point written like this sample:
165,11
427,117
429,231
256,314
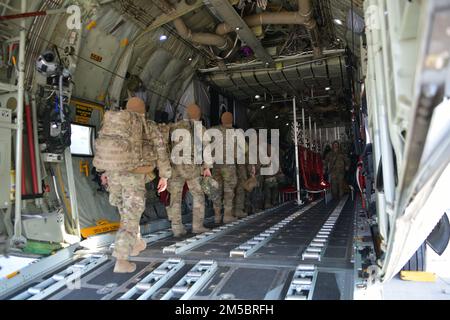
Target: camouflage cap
210,187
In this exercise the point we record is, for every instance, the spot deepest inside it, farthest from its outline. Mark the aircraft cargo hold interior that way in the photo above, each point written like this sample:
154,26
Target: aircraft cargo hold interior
224,150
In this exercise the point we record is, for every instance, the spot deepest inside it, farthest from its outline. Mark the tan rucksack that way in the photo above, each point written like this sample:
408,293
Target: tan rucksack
119,146
151,136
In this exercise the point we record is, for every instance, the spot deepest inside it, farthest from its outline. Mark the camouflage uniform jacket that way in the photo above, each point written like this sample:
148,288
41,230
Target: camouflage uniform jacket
223,130
191,170
336,162
157,149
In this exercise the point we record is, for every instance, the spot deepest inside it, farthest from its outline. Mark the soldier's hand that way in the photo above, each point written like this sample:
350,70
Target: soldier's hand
207,173
253,171
162,185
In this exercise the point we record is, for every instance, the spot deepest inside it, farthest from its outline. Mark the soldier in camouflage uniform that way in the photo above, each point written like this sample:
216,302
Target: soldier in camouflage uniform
269,184
270,191
337,163
127,192
244,172
165,132
225,175
240,193
190,174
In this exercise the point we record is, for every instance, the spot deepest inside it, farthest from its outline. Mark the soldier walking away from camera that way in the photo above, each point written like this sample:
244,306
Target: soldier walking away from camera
225,175
270,191
187,173
246,181
128,156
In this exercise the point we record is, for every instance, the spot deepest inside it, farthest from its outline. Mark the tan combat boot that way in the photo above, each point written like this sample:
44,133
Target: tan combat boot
199,229
228,216
217,216
178,231
124,266
240,214
138,247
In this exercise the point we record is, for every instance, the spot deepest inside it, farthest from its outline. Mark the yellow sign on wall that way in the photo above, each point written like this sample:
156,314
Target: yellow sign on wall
83,110
83,114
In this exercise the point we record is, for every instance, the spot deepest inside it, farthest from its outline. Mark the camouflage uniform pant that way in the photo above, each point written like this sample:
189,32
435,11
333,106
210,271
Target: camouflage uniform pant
127,193
226,177
239,198
338,186
270,192
175,187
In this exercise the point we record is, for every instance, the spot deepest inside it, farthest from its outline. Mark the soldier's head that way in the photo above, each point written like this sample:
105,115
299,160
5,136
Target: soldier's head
336,146
227,119
136,105
194,112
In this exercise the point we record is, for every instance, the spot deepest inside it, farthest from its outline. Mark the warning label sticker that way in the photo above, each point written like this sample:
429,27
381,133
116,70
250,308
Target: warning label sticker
83,114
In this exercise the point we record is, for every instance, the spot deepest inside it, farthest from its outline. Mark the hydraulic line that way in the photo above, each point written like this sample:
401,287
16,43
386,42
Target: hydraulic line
36,144
66,201
55,186
31,14
30,135
61,98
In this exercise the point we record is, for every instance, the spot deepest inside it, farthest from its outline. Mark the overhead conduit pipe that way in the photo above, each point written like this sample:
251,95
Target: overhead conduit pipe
304,16
203,38
211,39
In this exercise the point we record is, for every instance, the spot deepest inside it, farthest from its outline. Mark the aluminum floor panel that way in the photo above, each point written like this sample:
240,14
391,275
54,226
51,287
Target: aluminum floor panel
266,274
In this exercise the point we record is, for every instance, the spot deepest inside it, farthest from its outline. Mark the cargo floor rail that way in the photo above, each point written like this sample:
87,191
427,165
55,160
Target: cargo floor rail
303,283
67,277
193,281
254,244
147,287
200,239
316,249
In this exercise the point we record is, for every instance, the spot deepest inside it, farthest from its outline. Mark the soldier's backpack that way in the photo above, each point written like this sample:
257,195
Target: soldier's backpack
119,146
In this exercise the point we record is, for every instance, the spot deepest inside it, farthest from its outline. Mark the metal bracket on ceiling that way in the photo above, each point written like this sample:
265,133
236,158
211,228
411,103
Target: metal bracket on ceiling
180,9
222,66
228,14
